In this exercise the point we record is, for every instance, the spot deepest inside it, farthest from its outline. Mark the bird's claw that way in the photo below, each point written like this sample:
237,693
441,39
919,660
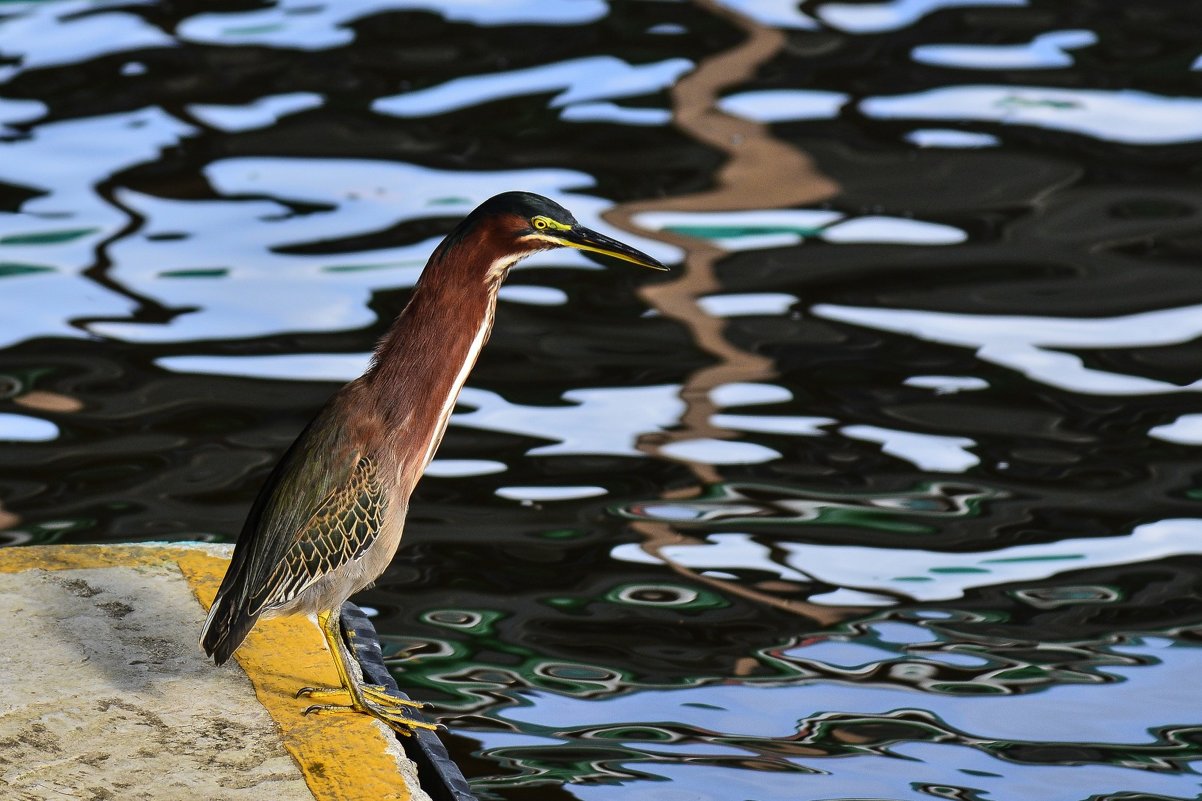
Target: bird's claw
371,692
393,717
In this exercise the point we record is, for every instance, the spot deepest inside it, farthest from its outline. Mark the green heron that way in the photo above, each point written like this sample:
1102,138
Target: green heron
329,518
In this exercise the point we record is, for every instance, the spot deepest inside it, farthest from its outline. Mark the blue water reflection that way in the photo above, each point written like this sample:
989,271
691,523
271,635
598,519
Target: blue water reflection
583,80
1034,346
1046,51
313,26
918,574
982,725
195,250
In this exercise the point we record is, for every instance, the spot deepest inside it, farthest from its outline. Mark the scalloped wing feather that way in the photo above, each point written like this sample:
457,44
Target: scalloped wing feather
344,526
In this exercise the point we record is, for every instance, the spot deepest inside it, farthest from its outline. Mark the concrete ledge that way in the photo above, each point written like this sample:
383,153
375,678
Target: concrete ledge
106,693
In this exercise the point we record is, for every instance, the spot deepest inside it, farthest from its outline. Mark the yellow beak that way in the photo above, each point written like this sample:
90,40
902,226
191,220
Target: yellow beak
583,238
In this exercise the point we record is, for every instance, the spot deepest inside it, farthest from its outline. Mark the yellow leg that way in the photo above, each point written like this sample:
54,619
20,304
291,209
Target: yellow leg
368,698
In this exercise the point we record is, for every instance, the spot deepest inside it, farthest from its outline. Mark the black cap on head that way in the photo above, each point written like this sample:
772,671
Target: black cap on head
546,224
524,204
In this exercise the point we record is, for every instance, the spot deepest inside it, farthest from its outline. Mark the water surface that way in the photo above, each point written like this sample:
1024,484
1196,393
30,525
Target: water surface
889,490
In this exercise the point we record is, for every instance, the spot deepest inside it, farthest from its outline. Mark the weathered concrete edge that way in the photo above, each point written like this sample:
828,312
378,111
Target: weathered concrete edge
341,757
440,777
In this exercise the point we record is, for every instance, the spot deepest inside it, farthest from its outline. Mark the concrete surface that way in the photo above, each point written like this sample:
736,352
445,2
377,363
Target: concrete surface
105,693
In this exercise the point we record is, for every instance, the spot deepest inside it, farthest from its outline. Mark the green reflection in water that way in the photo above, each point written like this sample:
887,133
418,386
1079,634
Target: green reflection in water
478,622
1043,558
562,534
213,272
767,504
734,231
675,596
9,269
47,532
47,237
360,268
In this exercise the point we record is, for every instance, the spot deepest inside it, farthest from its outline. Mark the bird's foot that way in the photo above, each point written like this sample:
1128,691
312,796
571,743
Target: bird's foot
371,692
393,712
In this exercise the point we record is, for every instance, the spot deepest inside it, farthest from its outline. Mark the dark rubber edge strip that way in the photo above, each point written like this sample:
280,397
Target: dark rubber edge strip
438,774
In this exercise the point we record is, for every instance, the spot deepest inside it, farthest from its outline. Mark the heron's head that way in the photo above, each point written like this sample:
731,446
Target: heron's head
508,227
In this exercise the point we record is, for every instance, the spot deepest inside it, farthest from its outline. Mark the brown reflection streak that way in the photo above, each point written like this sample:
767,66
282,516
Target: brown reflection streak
760,172
49,401
8,519
657,536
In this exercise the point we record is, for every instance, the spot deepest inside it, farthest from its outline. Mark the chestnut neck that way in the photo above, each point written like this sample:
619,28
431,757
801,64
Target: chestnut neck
423,360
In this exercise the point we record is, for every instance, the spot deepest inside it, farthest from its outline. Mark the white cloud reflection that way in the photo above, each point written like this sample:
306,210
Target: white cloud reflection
1185,430
55,236
1045,51
304,25
601,420
892,15
925,451
259,114
224,257
580,80
920,574
1028,344
775,13
56,34
1127,116
23,428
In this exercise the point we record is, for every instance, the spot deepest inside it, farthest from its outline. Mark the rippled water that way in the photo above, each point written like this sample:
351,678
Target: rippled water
890,490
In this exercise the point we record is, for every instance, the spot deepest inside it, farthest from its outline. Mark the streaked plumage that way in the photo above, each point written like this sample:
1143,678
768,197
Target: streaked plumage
329,518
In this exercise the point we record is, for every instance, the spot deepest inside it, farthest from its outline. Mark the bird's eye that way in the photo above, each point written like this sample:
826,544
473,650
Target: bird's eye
540,223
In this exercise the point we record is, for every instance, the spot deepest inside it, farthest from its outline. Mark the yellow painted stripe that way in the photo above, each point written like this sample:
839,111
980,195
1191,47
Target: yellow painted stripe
344,756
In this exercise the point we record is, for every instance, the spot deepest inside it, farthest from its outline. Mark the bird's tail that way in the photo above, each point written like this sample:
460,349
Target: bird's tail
226,627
